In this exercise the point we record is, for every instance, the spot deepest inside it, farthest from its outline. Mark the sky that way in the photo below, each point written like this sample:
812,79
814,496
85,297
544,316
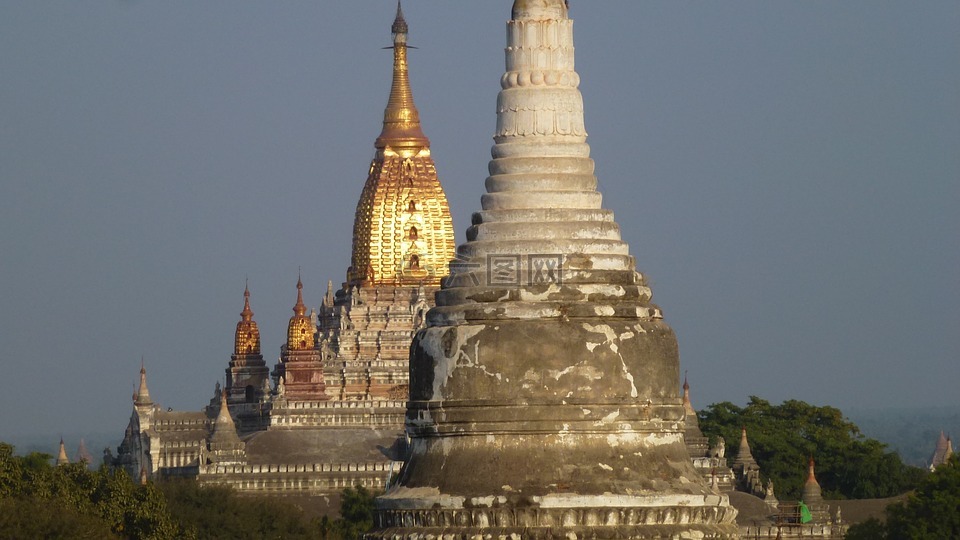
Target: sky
787,175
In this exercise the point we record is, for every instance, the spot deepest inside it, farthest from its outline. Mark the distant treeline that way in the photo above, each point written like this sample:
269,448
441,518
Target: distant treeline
911,432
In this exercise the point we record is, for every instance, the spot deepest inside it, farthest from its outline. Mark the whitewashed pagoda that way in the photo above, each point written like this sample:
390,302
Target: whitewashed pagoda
544,392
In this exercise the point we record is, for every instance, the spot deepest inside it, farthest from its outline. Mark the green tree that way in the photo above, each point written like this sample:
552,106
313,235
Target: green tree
210,512
356,512
783,437
932,512
28,517
871,529
39,500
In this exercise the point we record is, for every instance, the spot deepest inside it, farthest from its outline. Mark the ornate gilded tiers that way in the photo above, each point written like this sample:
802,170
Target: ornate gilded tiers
300,331
403,232
299,374
247,338
247,372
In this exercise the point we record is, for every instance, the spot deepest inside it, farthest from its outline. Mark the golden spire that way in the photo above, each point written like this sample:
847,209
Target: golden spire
247,338
247,313
401,120
300,332
403,232
299,308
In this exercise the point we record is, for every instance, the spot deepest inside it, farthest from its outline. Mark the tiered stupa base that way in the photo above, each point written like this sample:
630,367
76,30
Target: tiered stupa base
542,445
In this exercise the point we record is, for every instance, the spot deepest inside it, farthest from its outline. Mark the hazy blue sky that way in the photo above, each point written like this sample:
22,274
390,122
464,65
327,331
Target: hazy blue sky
786,173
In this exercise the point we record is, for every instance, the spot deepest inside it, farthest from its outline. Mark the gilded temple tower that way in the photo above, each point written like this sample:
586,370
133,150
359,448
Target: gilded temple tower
300,371
402,245
334,416
544,392
247,371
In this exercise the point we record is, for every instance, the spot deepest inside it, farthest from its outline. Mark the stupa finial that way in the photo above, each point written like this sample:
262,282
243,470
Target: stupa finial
247,313
299,308
401,119
399,23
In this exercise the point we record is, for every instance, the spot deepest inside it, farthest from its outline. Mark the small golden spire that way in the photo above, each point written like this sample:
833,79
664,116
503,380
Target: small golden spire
300,308
247,313
401,120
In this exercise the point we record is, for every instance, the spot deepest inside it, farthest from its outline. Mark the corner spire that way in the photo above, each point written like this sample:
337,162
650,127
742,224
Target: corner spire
143,394
328,298
224,428
401,119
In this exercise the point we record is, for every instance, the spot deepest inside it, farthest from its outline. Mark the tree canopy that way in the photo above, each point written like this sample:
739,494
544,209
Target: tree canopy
932,512
783,438
40,500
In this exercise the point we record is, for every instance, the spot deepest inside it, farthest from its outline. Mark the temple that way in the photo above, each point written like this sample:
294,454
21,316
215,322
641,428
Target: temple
330,414
544,391
532,393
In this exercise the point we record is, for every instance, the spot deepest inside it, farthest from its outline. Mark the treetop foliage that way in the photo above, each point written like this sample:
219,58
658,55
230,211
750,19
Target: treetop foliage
40,500
932,512
784,437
